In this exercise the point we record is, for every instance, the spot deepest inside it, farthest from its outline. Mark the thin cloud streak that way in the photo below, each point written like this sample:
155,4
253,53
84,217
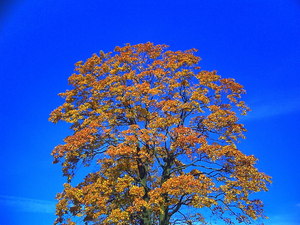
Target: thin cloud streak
283,219
27,204
271,109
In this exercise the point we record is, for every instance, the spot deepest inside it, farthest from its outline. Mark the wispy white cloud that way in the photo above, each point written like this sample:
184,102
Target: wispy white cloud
273,108
287,218
27,204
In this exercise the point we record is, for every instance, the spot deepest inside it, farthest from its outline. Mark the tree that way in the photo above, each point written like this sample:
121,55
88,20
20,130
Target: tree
158,135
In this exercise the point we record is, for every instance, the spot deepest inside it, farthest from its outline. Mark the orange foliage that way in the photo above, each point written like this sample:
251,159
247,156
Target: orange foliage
160,134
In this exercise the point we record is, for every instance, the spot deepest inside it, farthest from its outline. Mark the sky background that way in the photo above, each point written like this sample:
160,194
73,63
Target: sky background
257,42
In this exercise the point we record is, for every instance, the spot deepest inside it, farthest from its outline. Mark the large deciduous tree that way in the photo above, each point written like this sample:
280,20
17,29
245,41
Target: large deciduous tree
159,137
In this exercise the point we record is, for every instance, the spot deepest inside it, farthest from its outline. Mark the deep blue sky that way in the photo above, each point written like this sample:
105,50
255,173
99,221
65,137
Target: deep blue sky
255,41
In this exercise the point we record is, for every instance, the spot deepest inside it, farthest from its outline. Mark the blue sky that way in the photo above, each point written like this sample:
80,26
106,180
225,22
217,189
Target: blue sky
255,41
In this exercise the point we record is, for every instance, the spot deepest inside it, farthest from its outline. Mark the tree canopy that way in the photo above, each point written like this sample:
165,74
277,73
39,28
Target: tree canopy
158,135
